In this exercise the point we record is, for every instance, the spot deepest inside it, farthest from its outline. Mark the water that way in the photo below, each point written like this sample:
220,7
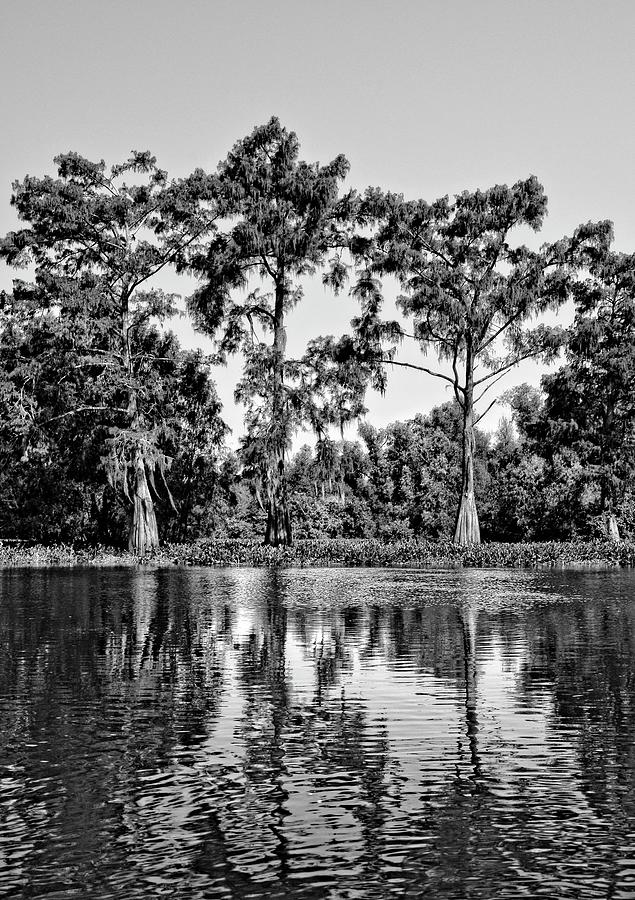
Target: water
317,733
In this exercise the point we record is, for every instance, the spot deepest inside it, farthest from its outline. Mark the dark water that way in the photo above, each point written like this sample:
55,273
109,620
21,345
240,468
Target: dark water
317,733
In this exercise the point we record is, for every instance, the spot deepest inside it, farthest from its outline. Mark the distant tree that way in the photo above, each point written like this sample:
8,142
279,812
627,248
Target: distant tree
195,440
526,403
285,219
590,402
96,243
468,290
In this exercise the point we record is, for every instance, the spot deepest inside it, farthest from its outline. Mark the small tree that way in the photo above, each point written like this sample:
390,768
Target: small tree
284,219
97,242
468,291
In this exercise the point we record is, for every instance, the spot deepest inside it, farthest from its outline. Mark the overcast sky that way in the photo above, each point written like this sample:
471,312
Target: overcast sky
423,97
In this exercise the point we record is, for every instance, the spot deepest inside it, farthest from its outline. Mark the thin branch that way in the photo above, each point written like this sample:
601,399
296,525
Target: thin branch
267,266
167,259
490,385
134,226
457,380
81,409
507,366
406,365
403,333
458,390
262,310
485,412
497,333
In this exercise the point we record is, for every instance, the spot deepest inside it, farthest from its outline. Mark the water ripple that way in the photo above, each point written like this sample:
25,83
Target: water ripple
317,733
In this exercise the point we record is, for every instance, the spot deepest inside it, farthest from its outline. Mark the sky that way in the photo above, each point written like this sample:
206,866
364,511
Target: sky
423,97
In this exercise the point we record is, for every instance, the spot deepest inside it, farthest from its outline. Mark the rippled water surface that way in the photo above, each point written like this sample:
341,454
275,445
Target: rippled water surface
320,733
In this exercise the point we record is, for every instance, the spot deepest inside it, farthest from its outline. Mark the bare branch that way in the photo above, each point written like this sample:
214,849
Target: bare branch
406,365
485,412
509,365
490,385
497,333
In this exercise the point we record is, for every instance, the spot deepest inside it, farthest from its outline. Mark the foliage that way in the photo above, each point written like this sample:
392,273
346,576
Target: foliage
285,220
590,405
468,290
339,552
97,241
106,423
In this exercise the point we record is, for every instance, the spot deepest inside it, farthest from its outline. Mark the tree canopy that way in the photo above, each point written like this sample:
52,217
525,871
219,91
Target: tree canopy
108,425
470,292
285,219
96,242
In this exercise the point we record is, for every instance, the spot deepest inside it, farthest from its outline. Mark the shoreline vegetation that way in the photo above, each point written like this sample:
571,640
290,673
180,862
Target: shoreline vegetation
354,553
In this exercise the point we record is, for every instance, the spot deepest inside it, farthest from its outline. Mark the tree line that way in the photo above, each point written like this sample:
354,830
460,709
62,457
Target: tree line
108,426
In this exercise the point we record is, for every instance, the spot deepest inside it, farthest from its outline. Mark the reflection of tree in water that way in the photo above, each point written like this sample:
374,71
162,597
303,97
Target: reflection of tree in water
123,676
106,679
340,748
468,621
320,755
584,656
461,841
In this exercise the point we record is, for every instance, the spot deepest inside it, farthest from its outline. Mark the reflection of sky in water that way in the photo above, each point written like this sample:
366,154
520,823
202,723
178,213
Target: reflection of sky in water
333,732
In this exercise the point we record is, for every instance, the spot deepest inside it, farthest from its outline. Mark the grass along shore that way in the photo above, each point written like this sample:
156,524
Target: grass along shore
335,552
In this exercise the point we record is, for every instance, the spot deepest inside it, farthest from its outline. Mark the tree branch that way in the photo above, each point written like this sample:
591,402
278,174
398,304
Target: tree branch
507,366
497,333
81,409
485,412
490,385
406,365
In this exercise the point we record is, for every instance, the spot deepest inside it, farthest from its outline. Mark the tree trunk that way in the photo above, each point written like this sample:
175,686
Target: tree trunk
467,530
278,523
607,489
278,531
612,528
144,534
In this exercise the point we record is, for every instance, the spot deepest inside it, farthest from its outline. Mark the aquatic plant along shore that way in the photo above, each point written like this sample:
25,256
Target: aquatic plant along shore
336,552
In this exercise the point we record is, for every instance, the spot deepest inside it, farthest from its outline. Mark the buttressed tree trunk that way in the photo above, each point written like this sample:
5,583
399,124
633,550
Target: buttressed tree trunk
144,533
467,530
612,528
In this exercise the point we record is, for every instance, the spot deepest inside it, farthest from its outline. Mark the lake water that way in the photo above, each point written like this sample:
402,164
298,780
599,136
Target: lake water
324,733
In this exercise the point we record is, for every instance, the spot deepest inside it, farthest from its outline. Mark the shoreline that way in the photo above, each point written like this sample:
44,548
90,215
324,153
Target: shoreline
597,555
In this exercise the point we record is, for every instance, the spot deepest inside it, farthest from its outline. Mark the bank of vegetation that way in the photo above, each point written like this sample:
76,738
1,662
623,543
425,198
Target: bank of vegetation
111,434
346,552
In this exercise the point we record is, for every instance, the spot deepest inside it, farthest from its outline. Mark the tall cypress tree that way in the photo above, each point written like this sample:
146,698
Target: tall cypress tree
285,220
470,292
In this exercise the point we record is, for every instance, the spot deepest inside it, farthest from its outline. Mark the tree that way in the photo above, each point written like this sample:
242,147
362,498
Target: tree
590,405
97,243
50,468
285,219
196,435
468,291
